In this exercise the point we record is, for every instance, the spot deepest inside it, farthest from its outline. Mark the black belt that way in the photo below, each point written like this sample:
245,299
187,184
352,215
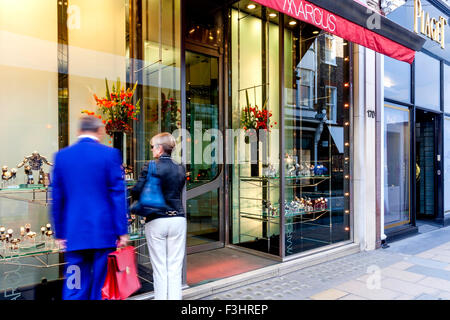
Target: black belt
171,213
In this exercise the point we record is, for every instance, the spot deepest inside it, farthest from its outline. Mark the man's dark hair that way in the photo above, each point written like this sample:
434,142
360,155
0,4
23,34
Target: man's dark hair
90,124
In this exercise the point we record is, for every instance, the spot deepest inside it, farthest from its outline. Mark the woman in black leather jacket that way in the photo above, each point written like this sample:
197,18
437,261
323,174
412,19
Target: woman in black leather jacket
166,230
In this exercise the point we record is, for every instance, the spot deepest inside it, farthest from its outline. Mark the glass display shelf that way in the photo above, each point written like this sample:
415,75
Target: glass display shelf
248,178
43,248
290,182
24,187
266,215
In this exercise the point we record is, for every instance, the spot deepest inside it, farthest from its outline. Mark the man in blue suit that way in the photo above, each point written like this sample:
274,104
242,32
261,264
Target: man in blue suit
89,209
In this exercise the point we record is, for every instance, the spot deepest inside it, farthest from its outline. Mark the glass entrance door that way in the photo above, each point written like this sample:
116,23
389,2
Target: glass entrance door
204,169
426,165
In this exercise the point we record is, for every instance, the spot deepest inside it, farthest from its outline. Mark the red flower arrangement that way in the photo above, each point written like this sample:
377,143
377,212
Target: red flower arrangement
254,118
116,109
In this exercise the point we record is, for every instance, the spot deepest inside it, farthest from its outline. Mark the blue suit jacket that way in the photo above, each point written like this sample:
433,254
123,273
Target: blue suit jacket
89,196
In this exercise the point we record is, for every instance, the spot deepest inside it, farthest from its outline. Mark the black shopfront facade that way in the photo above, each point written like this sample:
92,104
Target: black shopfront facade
416,115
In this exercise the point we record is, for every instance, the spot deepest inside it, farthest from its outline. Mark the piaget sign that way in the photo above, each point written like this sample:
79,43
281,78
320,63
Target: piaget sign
431,27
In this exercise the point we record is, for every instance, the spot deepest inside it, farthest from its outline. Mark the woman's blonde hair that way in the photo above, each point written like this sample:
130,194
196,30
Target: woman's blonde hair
166,140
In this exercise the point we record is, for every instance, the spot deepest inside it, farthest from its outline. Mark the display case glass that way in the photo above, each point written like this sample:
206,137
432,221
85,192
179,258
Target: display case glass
31,261
317,138
255,151
291,178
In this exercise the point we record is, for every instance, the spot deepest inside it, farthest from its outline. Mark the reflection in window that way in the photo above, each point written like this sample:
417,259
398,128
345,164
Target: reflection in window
330,49
203,220
427,80
446,88
397,163
306,87
202,109
255,74
158,72
316,155
397,80
331,98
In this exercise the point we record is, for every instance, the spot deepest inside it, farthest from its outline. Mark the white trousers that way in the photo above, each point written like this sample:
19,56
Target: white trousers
166,239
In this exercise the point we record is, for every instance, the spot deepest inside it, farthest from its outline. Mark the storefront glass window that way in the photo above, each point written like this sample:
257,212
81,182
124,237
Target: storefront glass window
427,80
255,153
157,72
29,81
396,166
446,88
397,80
317,147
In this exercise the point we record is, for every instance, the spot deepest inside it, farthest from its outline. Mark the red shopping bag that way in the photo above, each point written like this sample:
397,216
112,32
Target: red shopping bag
121,278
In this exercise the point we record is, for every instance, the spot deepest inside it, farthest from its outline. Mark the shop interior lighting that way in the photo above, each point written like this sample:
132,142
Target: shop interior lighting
316,32
272,15
251,6
293,23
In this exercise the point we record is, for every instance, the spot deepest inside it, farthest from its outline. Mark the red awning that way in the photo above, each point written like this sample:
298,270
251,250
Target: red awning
334,24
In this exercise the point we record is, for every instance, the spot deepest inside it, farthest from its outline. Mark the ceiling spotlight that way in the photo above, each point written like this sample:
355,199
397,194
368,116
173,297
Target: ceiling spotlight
251,6
292,23
272,15
316,32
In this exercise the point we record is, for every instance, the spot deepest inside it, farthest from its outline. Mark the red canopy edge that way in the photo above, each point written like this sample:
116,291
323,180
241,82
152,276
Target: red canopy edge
305,11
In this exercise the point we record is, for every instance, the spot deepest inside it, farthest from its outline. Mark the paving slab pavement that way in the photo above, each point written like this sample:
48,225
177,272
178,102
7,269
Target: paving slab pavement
415,268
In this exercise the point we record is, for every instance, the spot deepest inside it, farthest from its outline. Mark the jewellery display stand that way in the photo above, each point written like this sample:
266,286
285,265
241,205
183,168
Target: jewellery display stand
259,206
31,254
24,211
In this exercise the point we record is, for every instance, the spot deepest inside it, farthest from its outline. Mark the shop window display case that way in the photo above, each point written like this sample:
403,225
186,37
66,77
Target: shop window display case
31,261
291,182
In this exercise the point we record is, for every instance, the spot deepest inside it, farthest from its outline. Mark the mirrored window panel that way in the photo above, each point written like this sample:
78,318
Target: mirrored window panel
396,166
427,82
316,132
397,80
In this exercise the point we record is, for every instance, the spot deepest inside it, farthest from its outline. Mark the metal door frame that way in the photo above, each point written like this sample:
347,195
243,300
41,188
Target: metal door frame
218,182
